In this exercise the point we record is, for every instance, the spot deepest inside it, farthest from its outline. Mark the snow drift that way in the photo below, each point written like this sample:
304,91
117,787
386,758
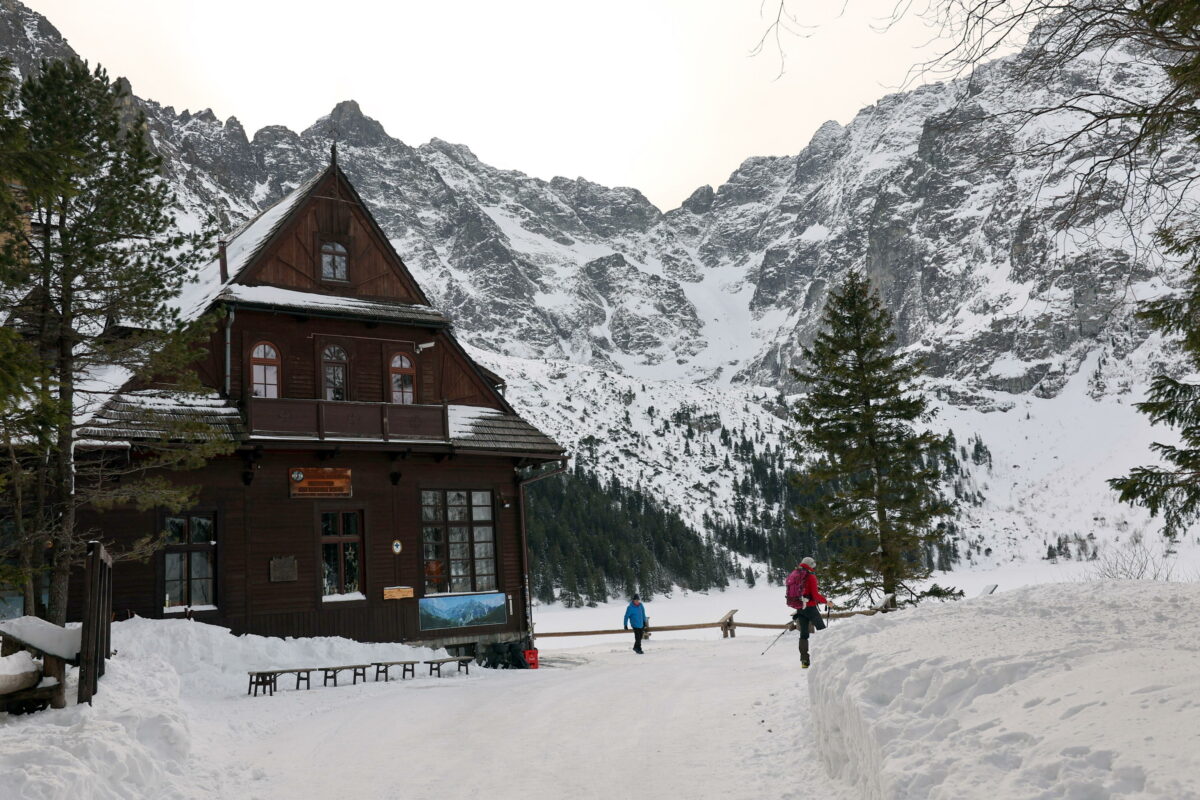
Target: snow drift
1060,691
137,740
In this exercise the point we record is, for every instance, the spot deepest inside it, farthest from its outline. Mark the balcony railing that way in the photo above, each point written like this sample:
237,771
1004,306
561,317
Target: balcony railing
333,419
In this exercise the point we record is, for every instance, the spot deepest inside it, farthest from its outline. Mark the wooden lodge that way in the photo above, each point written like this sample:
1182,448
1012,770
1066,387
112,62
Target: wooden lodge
376,488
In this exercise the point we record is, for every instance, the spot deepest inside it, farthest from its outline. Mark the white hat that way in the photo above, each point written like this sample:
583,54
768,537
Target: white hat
809,562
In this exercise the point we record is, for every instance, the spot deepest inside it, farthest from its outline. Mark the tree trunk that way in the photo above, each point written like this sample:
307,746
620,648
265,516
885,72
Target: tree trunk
64,472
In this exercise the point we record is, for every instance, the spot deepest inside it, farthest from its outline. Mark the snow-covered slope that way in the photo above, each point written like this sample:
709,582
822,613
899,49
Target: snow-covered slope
1063,691
595,305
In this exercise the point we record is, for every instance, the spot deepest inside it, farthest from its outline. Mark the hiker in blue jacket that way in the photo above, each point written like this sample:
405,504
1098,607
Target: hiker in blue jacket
635,615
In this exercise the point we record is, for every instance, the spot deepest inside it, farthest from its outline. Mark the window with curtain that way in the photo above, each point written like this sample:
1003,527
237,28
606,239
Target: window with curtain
335,372
403,377
341,553
264,370
458,538
189,561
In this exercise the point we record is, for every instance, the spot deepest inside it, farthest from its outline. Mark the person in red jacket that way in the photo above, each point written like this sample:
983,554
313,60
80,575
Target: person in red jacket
803,595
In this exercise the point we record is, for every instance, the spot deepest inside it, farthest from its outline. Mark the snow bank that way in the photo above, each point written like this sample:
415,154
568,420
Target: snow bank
211,662
1059,691
136,741
17,664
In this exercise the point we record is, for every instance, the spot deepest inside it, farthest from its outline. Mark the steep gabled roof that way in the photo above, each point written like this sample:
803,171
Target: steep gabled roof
240,250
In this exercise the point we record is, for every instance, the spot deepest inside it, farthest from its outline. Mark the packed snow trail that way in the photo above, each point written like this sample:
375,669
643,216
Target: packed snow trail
693,719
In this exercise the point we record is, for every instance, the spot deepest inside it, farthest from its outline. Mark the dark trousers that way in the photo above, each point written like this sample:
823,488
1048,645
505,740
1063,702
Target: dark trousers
637,639
806,619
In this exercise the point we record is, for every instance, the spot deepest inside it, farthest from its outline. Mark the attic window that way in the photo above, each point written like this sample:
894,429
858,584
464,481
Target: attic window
333,262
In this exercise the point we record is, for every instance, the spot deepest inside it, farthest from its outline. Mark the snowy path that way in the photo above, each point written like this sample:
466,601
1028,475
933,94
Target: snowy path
689,719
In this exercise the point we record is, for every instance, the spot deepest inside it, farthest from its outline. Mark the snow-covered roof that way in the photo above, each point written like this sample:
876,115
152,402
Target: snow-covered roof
155,413
275,297
488,429
240,249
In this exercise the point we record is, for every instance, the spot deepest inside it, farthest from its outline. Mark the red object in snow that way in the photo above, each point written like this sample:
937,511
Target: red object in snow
531,658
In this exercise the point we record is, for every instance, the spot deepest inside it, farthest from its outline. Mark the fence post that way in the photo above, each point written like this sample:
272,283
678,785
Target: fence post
728,626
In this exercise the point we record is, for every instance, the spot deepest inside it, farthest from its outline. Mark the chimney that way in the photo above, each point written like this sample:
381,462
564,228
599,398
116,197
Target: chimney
224,262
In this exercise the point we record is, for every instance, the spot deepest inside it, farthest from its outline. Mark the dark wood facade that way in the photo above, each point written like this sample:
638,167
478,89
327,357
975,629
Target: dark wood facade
401,446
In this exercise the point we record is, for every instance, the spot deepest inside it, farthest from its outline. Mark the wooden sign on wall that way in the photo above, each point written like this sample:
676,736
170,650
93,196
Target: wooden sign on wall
397,592
320,482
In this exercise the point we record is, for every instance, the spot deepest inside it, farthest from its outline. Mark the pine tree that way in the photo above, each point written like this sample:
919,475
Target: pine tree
872,489
88,270
1173,490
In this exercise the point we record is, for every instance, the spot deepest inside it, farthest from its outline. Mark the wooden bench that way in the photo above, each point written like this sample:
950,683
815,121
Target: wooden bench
268,679
464,662
408,669
357,671
263,679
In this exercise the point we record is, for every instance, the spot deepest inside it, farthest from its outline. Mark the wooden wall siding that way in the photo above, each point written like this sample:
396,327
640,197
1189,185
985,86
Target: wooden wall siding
292,260
259,522
443,373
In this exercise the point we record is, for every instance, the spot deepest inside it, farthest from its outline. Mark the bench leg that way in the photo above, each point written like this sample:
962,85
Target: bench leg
328,675
380,669
437,667
359,672
408,669
306,677
250,685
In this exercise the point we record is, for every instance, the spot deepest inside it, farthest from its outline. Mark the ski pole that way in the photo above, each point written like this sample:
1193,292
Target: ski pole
776,639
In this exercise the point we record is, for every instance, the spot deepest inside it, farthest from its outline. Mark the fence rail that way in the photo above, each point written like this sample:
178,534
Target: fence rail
727,624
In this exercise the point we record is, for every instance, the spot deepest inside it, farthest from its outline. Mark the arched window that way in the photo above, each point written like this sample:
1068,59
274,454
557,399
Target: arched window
333,262
335,368
264,370
403,378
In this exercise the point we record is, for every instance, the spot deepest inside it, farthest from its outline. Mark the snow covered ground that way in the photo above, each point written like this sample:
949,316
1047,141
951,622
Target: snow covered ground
1062,690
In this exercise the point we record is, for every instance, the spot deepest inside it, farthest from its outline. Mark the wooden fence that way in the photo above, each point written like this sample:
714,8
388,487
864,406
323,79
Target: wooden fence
95,645
727,624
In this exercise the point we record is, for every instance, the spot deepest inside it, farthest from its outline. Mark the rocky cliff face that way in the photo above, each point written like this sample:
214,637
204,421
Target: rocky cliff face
957,227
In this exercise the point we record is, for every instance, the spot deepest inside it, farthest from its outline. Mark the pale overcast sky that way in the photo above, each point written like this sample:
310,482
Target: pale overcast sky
662,95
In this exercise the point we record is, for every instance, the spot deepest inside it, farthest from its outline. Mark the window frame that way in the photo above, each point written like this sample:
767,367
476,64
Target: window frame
443,547
188,548
392,371
276,362
328,243
341,538
323,377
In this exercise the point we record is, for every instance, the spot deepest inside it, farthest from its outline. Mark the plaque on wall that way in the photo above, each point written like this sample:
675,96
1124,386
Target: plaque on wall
397,592
283,569
320,482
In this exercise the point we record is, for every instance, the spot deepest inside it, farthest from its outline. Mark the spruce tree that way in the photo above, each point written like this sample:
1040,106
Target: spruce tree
871,490
88,271
1173,490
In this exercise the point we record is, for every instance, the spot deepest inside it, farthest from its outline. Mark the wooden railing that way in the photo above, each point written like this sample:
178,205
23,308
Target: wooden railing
727,624
336,419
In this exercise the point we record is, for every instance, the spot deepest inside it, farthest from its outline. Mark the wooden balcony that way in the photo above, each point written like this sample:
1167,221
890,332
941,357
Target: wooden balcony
331,419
